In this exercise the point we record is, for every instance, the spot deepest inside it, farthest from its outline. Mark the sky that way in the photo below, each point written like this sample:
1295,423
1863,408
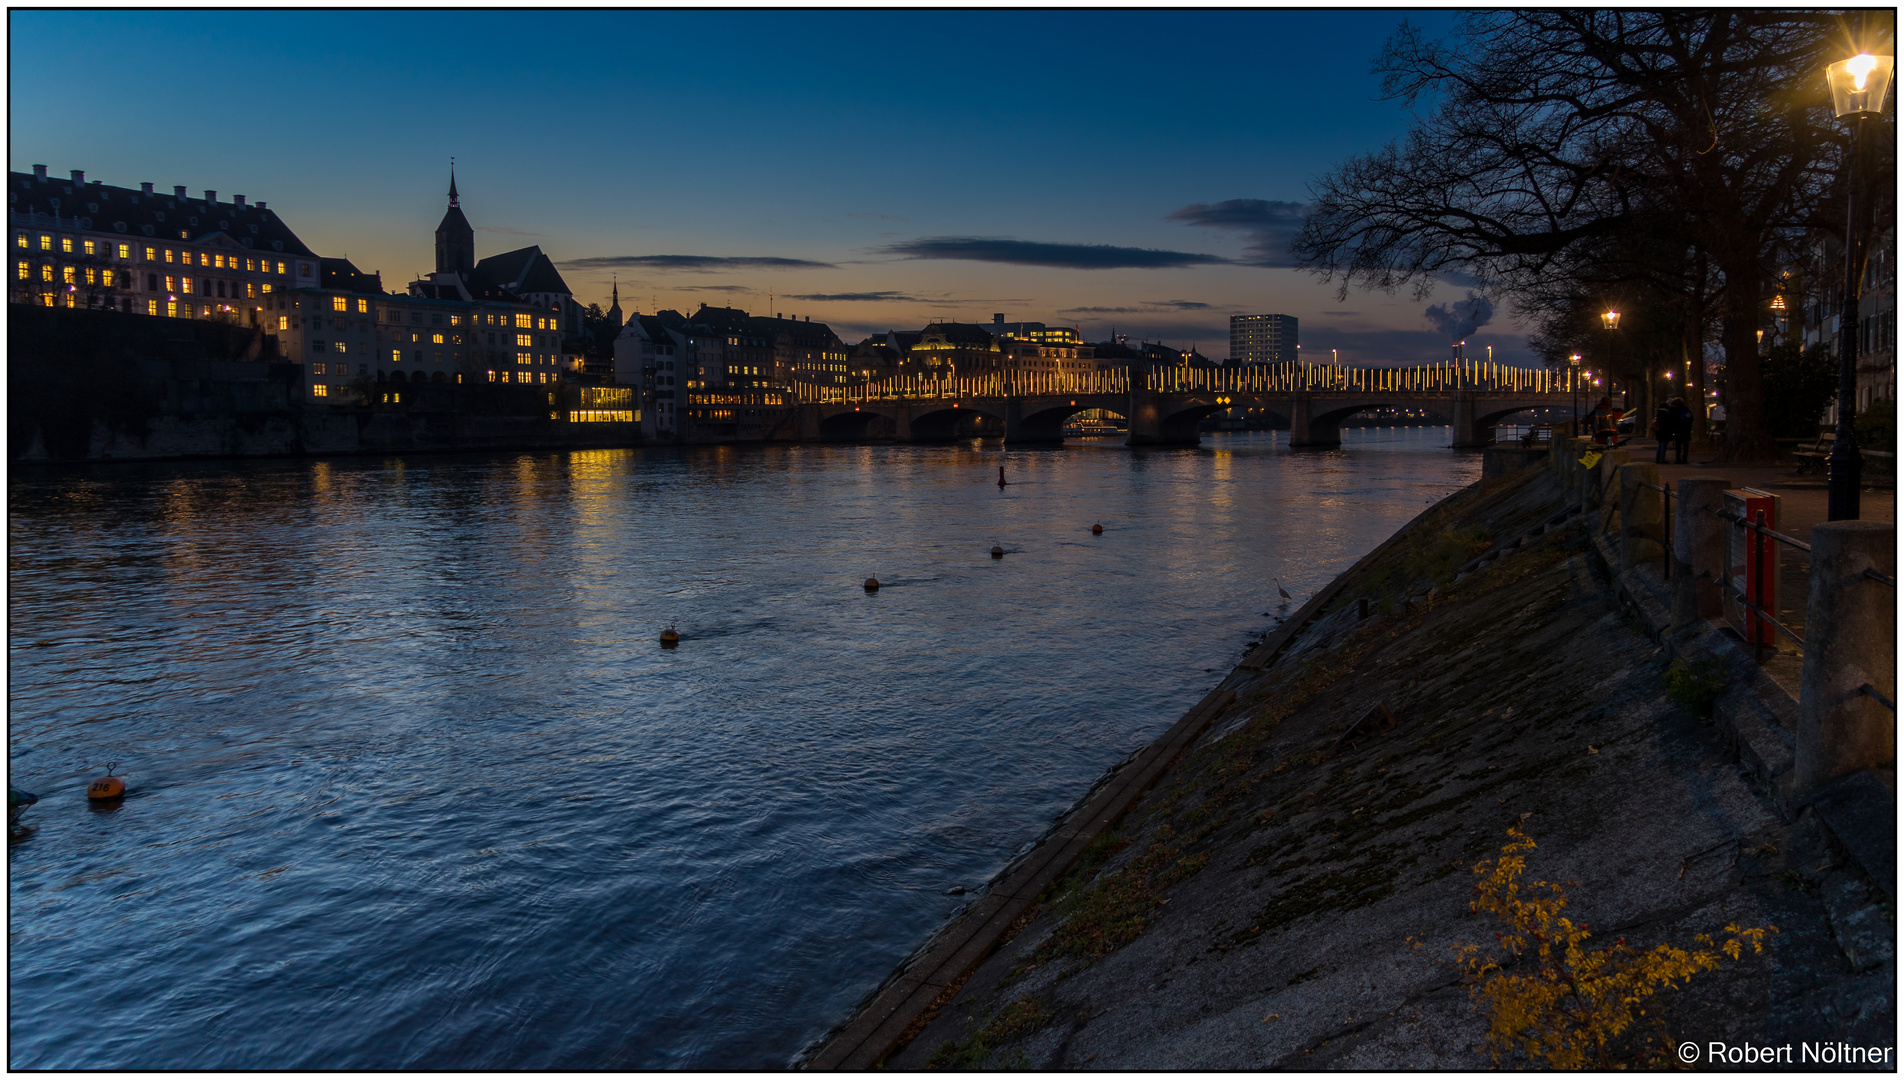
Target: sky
1134,170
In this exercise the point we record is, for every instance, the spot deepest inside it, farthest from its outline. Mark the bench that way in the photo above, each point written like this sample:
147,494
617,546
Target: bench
1810,457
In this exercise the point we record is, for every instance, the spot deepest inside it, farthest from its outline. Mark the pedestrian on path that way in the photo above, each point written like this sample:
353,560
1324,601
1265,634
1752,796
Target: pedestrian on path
1682,430
1604,422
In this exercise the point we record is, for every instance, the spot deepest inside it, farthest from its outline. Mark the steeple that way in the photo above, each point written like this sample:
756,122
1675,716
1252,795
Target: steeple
455,240
614,303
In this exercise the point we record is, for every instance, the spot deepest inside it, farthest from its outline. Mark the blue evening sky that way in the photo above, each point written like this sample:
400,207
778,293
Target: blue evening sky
926,164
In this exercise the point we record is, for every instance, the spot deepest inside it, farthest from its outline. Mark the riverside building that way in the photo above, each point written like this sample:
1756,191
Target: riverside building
87,244
1262,339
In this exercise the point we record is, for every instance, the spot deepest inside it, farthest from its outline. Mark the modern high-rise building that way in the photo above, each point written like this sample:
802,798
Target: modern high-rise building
1262,339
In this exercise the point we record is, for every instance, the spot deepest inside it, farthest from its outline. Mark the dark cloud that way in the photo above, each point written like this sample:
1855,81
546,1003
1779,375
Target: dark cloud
696,264
1268,226
1036,253
1148,305
862,297
1461,318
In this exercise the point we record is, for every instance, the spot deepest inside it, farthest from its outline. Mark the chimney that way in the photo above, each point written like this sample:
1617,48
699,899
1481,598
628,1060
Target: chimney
39,172
998,319
146,187
261,206
178,191
238,201
79,176
211,196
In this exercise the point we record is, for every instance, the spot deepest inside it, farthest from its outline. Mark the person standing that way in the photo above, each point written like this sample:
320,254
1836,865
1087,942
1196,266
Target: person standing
1604,421
1682,430
1664,418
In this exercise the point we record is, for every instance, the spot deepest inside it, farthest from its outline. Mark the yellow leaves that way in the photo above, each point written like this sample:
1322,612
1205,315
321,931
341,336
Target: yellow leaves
1567,1004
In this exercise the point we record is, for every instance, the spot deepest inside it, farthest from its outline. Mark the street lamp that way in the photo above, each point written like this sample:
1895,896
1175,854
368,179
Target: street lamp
1857,91
1574,384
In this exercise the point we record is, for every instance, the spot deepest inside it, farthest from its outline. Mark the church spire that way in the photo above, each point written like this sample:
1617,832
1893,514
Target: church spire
453,182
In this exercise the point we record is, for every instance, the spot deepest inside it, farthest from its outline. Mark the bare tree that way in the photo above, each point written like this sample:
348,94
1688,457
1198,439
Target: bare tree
1554,133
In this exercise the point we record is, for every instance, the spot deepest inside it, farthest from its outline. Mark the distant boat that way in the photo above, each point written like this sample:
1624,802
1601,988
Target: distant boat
17,802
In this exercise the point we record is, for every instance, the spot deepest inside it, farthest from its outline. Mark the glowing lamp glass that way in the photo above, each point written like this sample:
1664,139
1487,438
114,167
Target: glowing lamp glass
1858,84
1611,319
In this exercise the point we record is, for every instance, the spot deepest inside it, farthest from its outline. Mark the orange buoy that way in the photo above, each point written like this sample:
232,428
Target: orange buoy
997,552
107,786
872,584
669,638
1095,529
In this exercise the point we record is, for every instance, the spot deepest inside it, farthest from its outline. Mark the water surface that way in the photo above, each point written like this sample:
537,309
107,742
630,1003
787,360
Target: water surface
413,787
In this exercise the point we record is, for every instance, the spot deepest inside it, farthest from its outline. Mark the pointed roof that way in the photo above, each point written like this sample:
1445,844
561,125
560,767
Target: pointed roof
452,181
524,270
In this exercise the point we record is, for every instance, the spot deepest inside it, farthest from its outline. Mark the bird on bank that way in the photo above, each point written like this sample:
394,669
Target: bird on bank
1280,591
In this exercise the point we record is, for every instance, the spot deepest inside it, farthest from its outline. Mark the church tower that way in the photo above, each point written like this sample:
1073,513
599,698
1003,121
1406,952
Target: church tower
455,240
614,305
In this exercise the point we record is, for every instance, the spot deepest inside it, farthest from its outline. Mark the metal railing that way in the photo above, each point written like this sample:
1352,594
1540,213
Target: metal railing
1761,532
1665,536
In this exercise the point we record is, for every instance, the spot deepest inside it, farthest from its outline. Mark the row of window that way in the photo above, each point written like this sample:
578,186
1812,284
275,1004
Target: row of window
104,249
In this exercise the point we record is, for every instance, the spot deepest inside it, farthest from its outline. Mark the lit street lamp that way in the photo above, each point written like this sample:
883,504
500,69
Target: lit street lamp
1857,91
1574,383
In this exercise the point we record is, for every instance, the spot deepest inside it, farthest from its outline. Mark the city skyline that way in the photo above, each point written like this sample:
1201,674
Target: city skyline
800,163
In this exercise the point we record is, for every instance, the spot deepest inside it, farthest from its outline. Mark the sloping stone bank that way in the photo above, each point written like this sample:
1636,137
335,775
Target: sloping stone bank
1255,906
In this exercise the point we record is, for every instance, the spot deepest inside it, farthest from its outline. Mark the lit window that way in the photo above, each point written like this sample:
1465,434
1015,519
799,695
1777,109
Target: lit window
456,320
151,307
436,339
317,368
171,308
280,268
524,340
320,390
23,271
185,285
363,307
88,245
168,254
284,322
46,271
340,346
338,303
251,290
525,322
396,356
66,274
125,251
265,288
91,277
204,259
66,244
150,255
46,242
19,240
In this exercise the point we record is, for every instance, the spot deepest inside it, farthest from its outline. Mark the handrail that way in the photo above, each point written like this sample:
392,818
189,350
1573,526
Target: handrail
1880,578
1756,527
1768,617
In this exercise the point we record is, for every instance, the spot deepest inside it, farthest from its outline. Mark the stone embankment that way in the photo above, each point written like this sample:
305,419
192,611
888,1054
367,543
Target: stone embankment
1278,882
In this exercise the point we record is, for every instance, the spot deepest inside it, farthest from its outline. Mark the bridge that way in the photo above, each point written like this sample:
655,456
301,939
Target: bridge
1162,406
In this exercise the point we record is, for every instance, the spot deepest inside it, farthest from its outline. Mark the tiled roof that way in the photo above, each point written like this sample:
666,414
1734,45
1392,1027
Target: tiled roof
164,216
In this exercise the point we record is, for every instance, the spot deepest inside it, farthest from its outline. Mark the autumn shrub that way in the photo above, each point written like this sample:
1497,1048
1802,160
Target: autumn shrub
1552,996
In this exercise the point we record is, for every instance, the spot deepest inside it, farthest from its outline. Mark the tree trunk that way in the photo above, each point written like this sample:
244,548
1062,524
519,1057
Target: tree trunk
1692,348
1746,436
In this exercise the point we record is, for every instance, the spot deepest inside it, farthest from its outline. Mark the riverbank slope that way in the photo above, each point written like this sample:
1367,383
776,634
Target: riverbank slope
1285,895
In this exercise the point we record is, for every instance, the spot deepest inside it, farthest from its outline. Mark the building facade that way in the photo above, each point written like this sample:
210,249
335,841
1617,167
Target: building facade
84,244
1262,339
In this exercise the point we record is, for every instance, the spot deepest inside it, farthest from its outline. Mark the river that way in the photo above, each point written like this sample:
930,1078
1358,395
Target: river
411,784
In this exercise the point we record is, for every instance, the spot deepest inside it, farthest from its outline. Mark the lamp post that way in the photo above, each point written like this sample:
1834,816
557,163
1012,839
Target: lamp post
1857,91
1574,385
1610,319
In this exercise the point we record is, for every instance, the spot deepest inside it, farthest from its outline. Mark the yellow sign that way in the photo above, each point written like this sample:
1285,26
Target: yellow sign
1590,459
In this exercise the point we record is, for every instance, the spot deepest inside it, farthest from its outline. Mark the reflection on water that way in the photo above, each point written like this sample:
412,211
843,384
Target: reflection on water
412,785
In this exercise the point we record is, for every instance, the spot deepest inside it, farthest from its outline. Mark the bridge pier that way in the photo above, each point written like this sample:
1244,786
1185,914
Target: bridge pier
1305,429
1467,434
1148,425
